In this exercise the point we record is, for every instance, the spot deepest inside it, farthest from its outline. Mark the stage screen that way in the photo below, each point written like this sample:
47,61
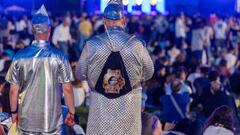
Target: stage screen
146,6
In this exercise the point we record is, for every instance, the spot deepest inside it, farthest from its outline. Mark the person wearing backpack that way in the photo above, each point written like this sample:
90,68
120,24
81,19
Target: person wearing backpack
114,64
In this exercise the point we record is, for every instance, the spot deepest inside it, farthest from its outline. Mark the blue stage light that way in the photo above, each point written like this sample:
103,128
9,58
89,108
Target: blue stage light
160,7
103,5
130,5
145,5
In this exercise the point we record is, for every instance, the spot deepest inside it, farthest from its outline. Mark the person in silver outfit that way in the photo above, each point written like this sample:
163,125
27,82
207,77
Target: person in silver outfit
114,64
34,75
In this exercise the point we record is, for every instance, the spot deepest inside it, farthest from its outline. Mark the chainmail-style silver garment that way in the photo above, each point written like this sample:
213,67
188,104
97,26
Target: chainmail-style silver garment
38,69
122,115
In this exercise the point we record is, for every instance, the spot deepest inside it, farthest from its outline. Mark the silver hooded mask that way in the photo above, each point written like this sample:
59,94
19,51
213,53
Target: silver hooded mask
40,21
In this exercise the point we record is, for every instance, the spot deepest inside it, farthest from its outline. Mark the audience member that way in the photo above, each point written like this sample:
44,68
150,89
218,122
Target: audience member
61,35
221,122
186,127
4,96
220,29
175,106
180,31
85,30
150,123
202,82
180,73
214,96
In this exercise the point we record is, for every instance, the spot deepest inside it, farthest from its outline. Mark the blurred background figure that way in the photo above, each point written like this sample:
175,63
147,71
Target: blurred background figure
221,121
180,31
175,106
151,124
61,35
85,30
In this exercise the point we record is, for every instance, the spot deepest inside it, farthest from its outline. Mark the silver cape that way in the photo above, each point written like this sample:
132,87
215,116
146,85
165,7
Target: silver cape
120,116
38,69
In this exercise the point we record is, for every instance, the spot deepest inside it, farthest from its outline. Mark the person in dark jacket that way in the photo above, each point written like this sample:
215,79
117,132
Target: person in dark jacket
202,82
4,95
235,81
214,96
221,122
150,123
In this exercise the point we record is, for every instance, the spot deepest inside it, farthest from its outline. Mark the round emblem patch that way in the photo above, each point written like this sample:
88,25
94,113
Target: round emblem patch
113,81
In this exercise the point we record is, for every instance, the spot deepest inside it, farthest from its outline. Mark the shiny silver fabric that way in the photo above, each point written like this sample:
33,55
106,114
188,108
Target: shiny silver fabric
120,116
108,116
38,69
56,132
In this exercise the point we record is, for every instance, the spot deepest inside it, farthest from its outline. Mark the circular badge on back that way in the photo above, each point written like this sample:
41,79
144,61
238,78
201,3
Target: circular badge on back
113,81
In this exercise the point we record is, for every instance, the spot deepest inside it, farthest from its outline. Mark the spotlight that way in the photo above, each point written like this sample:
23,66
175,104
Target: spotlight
153,2
125,2
139,2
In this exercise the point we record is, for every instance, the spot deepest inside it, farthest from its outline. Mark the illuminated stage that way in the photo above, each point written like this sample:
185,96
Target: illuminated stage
146,6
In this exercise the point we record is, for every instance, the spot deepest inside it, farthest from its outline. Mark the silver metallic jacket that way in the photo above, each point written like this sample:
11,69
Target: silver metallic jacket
120,116
38,69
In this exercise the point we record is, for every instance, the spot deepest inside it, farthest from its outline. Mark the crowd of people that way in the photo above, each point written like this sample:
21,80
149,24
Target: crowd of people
197,69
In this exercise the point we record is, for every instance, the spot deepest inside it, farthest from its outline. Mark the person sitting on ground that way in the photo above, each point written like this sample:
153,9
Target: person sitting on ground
202,82
221,122
175,105
235,81
150,123
214,96
4,96
186,127
193,76
180,73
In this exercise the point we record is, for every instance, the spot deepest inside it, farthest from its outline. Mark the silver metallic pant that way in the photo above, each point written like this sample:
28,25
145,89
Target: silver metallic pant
57,132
